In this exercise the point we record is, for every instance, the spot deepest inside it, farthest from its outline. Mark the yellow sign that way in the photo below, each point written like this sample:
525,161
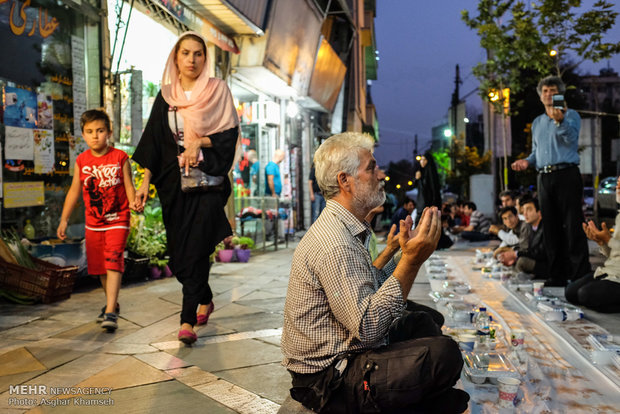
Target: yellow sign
24,194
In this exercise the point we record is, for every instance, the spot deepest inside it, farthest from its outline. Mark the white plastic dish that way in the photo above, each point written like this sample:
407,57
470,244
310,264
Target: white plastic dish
483,366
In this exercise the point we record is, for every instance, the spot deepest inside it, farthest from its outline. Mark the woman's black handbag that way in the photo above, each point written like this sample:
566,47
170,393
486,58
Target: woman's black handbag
197,180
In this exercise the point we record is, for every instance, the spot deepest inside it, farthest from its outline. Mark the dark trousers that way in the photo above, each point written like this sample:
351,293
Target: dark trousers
475,236
597,294
560,195
415,373
196,290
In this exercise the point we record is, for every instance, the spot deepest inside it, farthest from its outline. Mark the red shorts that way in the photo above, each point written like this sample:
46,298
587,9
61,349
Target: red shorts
105,249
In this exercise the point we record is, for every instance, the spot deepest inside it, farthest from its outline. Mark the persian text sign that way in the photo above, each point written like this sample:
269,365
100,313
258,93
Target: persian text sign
24,194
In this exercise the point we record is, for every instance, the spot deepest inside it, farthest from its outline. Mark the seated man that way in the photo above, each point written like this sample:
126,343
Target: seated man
405,210
514,233
600,290
345,319
479,224
533,259
507,198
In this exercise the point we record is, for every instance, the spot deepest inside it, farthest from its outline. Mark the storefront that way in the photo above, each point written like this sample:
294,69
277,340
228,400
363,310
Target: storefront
50,74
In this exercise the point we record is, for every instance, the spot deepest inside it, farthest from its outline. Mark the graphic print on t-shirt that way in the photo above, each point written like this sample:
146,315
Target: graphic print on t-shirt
99,180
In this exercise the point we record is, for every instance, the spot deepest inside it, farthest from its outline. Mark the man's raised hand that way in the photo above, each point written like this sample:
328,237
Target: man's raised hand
418,245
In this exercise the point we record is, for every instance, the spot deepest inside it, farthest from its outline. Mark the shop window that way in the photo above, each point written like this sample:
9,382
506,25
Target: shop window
37,134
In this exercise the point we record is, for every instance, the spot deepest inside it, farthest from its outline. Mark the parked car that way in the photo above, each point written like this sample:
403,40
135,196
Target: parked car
607,195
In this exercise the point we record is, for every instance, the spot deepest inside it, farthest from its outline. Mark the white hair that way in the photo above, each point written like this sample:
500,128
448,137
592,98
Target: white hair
339,153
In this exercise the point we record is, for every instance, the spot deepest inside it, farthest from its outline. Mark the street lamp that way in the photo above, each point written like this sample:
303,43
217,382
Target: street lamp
447,132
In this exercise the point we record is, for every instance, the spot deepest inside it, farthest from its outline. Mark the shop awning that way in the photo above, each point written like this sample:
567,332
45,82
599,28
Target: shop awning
231,19
184,16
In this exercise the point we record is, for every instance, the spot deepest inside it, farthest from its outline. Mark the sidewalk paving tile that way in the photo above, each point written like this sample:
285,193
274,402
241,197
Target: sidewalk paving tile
271,381
152,332
126,373
54,357
18,361
162,361
39,329
254,321
92,331
229,355
164,397
127,349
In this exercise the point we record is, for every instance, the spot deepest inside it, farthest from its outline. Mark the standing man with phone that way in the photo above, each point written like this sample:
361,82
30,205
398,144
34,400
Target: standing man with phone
555,137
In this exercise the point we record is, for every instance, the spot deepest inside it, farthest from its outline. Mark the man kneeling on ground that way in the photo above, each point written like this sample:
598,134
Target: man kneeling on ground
533,259
348,341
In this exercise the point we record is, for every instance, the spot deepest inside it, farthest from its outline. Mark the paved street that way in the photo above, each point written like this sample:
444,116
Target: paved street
233,368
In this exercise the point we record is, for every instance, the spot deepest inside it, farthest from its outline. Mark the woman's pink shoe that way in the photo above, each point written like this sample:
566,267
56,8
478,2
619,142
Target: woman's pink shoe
187,337
203,319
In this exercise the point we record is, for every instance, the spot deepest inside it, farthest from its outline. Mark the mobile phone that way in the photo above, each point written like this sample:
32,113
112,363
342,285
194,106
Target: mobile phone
558,101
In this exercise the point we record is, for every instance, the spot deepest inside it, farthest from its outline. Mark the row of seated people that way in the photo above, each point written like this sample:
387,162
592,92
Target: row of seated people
522,246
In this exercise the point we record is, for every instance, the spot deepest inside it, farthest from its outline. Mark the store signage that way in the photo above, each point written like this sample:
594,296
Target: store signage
18,19
24,194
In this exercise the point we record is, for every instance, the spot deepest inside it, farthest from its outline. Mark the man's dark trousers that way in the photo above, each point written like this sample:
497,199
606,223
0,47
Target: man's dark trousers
560,194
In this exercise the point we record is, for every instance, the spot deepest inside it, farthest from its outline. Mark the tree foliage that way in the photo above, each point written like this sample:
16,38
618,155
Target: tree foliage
519,37
467,162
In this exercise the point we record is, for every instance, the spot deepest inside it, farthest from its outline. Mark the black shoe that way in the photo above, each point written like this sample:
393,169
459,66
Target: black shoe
555,282
110,322
101,316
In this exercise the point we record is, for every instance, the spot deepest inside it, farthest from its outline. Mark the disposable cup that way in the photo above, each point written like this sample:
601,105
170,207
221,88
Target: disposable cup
467,342
517,336
508,387
538,288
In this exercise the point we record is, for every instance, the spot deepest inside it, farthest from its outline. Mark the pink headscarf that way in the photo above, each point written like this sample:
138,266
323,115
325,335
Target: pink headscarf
210,108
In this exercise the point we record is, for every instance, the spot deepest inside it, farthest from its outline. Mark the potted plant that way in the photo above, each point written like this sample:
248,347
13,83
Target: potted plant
242,248
225,250
147,238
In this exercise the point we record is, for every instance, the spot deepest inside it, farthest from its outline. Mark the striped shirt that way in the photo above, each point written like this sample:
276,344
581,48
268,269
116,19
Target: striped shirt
480,222
337,301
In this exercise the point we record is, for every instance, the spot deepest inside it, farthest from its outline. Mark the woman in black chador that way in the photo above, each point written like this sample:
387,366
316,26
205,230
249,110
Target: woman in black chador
427,184
196,112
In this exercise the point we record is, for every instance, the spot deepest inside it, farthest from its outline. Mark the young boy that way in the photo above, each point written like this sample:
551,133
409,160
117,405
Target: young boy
103,175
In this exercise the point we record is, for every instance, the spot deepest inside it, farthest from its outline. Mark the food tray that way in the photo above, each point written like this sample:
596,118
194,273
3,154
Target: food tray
605,349
488,366
445,296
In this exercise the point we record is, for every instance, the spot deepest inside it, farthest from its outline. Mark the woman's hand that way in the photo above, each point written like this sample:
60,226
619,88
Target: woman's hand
189,158
142,194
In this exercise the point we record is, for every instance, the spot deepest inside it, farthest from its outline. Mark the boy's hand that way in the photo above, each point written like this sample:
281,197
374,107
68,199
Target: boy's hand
61,231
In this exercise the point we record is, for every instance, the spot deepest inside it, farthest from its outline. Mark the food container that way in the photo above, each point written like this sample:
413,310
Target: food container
481,367
604,349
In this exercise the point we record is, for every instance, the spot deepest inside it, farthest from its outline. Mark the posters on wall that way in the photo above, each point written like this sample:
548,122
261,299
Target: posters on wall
45,111
20,108
24,194
77,145
19,143
43,151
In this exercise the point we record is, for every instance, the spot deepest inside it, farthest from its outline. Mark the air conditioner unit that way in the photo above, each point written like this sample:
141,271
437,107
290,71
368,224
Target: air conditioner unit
266,112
